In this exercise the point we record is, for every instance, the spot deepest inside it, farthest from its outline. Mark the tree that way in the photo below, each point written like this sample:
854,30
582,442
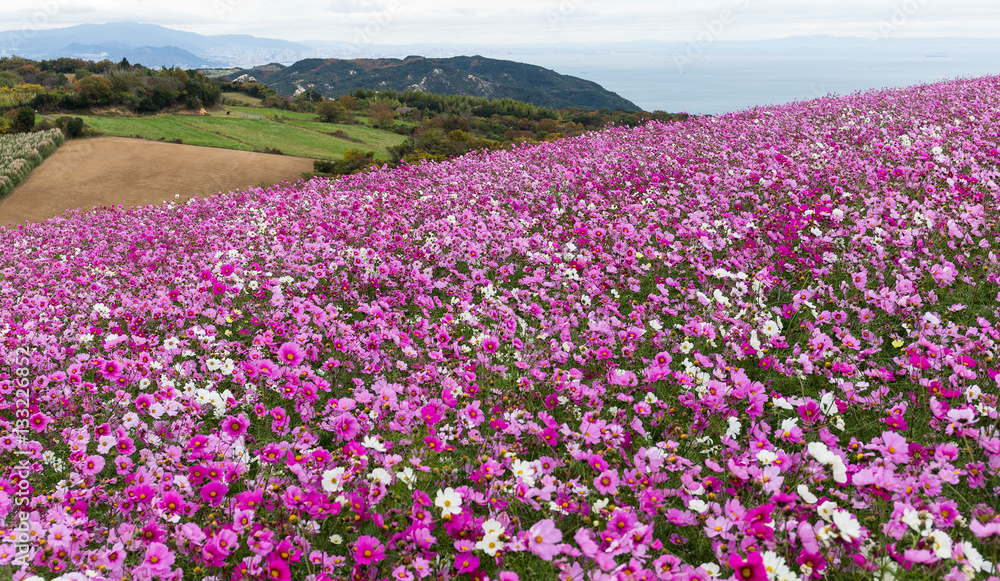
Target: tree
381,115
331,112
348,102
97,89
25,120
9,79
309,96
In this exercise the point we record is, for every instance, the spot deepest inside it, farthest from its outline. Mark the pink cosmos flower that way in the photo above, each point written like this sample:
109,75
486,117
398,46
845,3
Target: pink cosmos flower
368,549
542,539
290,354
39,422
815,561
809,411
401,573
92,465
277,570
234,427
159,558
466,562
893,447
172,502
346,426
607,482
472,413
491,344
751,569
433,443
214,493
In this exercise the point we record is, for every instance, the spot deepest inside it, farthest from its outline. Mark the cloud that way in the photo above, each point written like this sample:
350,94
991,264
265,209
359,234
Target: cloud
521,21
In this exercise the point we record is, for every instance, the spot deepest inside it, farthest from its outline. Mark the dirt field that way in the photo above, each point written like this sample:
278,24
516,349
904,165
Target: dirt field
109,171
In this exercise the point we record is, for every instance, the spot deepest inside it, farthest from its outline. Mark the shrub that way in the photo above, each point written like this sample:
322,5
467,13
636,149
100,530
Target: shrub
74,127
24,121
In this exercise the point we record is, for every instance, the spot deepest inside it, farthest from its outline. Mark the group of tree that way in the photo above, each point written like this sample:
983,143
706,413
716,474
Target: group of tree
443,126
68,84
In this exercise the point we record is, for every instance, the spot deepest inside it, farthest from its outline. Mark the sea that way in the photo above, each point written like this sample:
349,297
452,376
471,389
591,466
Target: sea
715,78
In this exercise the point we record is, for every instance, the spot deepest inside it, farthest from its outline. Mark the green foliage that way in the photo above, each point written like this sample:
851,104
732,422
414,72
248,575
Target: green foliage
381,115
101,84
71,126
97,90
9,79
24,121
353,161
331,112
468,76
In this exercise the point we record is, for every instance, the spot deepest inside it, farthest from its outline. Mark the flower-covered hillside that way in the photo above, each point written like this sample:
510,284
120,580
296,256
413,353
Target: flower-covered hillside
759,346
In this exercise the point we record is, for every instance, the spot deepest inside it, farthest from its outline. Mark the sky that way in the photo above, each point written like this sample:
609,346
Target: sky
513,22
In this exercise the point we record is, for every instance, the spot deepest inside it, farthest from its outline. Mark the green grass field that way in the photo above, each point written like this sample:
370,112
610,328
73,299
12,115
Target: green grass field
242,98
298,134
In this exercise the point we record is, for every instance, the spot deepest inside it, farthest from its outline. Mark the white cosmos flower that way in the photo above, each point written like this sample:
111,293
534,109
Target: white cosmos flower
734,428
492,527
373,443
975,559
698,505
911,518
711,569
382,475
524,470
406,476
449,501
826,510
490,545
766,457
847,524
771,328
941,544
333,479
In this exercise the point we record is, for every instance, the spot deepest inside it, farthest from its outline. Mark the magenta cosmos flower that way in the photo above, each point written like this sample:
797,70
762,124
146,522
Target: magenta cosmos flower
752,569
368,549
491,344
214,492
277,570
290,354
466,562
234,427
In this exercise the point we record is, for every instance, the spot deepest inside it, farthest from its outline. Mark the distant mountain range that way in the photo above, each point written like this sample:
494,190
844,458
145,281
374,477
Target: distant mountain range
150,45
721,75
463,75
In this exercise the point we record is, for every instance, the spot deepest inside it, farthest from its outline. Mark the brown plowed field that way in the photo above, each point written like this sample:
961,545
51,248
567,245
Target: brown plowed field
108,171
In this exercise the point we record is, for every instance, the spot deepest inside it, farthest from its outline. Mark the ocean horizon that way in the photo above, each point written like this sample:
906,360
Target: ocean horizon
725,77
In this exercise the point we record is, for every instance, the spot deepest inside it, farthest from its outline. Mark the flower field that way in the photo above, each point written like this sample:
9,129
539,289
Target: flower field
759,346
22,152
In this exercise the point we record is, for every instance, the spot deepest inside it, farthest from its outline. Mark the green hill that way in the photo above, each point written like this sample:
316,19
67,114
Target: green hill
463,75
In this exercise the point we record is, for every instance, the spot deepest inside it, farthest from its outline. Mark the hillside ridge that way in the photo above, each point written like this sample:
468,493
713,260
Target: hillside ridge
464,75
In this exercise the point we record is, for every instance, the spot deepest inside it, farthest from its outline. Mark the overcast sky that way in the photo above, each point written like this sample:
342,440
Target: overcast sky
511,22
